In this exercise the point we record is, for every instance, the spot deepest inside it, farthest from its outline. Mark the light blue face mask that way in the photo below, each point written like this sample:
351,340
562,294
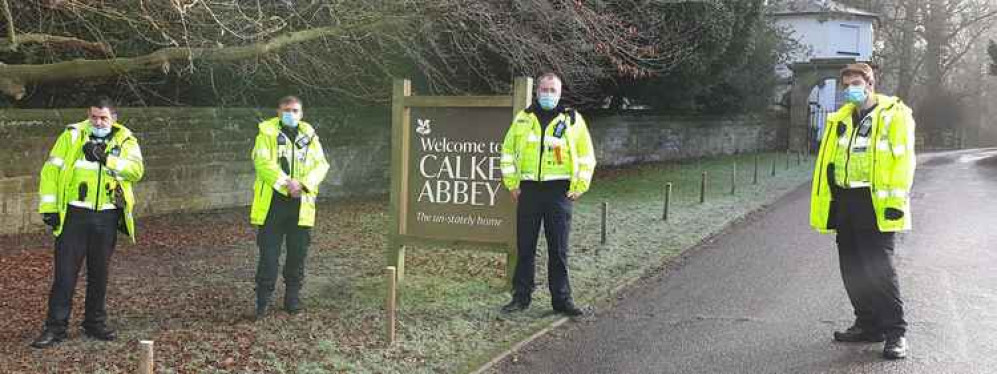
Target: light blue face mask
855,95
288,119
100,132
548,101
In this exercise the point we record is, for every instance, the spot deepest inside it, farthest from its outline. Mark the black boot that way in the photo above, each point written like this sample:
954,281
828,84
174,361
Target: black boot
262,303
895,347
292,300
100,333
568,309
857,334
49,338
516,305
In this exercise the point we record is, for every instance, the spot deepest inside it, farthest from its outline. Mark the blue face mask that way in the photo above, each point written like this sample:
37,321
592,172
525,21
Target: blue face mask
287,118
855,95
547,101
100,132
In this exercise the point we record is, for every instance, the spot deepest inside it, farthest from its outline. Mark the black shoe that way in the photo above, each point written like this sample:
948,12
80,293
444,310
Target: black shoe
261,312
48,338
515,306
262,304
292,304
100,333
895,348
856,334
569,309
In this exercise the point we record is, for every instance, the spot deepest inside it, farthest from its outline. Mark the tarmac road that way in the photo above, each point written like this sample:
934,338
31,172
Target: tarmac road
765,296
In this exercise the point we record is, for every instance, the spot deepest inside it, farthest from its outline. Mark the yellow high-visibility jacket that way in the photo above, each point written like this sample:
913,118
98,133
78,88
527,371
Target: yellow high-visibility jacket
566,152
67,174
882,159
307,164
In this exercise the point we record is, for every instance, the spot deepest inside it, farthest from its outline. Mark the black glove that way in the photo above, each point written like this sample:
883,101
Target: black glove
51,219
831,183
893,214
95,152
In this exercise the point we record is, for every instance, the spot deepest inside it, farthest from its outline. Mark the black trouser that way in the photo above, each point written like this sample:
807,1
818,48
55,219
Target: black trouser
866,260
282,224
547,203
86,234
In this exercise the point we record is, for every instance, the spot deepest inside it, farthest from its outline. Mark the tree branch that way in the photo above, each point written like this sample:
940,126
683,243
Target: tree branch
13,78
965,24
9,17
55,40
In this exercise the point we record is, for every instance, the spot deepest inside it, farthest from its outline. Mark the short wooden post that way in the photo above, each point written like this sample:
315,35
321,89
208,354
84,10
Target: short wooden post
799,158
787,159
511,260
605,218
389,304
146,359
668,201
702,189
733,179
774,160
754,178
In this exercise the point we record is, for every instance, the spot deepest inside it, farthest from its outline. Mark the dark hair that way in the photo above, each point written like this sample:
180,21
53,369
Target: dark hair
104,102
290,99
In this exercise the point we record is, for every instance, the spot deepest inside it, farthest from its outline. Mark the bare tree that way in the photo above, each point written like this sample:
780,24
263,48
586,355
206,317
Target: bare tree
342,48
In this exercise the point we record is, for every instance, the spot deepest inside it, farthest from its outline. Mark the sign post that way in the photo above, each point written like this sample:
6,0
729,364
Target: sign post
446,179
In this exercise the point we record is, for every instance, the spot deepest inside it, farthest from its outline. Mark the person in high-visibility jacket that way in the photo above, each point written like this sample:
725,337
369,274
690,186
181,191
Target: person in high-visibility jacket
86,196
547,164
290,166
861,191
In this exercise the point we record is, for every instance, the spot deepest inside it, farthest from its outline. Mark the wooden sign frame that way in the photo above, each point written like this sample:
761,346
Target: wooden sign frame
402,101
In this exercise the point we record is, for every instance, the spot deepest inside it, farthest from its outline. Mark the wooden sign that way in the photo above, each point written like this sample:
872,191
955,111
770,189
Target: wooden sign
446,182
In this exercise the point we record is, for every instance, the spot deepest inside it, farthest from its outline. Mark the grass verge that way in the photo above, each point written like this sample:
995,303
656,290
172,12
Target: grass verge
189,284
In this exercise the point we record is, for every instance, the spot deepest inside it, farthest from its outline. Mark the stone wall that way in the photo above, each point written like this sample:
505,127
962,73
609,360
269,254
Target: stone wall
198,158
628,139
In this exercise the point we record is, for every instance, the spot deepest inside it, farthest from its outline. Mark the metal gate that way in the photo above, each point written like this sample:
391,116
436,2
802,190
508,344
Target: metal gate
817,115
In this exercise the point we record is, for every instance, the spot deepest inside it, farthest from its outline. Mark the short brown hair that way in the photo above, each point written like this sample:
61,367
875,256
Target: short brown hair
290,99
862,69
548,75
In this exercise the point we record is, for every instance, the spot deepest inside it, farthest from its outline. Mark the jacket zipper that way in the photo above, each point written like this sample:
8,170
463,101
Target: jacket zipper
540,160
96,202
848,156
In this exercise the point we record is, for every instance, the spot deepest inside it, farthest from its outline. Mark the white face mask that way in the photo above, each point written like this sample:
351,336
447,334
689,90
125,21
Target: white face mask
289,119
100,132
856,94
548,100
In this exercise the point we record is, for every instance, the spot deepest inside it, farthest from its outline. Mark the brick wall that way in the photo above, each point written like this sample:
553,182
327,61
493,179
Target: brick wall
198,158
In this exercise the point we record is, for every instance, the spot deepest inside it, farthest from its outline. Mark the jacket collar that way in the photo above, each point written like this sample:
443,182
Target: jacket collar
272,127
883,102
534,108
118,131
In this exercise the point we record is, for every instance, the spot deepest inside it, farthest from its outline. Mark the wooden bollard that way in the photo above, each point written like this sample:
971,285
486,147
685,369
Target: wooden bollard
146,358
702,189
799,158
605,218
390,303
774,160
787,159
668,201
754,178
733,179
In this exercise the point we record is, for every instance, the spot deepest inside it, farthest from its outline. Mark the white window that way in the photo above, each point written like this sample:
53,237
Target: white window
847,40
